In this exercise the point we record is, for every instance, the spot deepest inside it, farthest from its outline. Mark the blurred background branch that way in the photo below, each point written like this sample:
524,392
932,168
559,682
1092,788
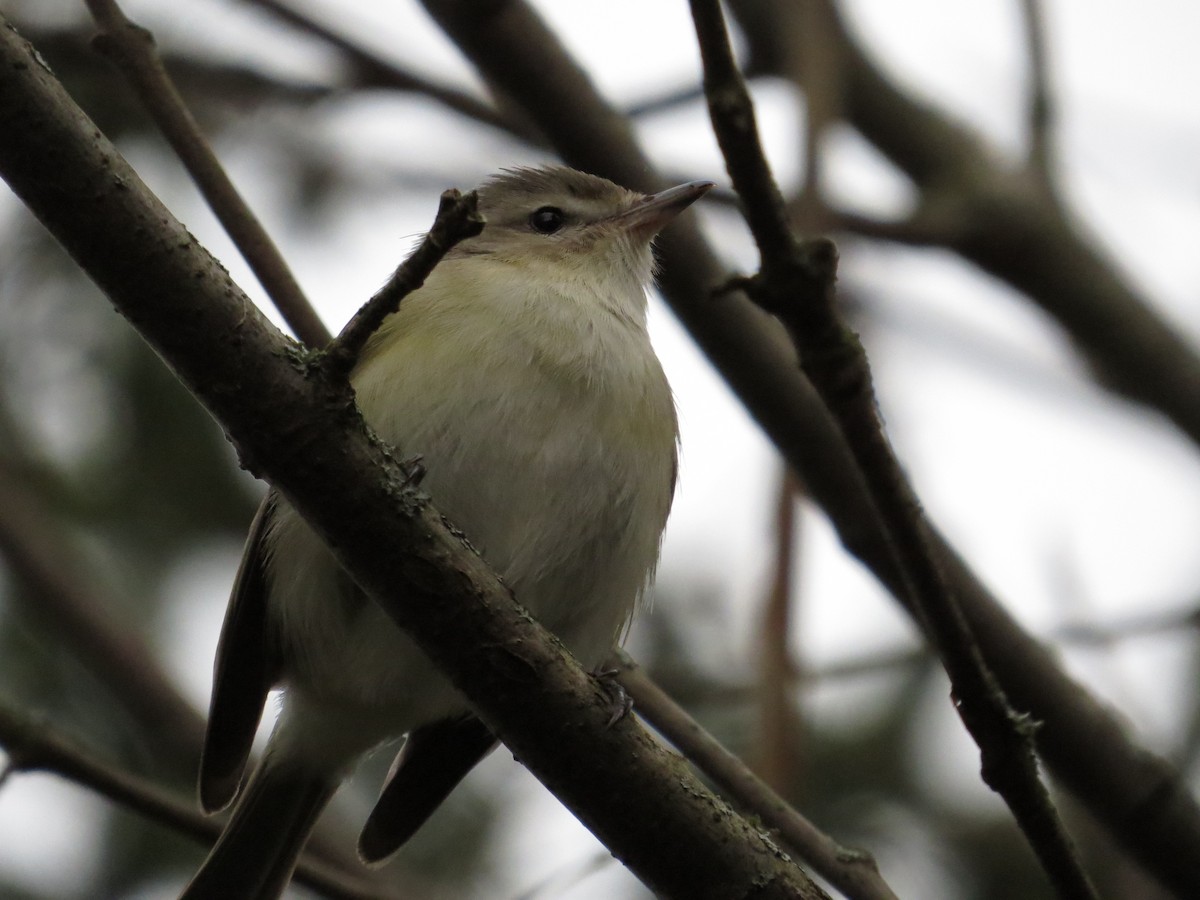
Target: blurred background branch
332,122
35,746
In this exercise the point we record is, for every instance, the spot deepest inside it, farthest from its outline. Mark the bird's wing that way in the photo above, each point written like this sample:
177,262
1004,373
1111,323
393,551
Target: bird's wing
246,668
435,758
258,849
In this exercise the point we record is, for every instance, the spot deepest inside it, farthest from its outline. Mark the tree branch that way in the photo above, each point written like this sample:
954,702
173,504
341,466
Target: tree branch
115,655
1137,795
35,746
1039,98
1016,230
131,47
779,757
373,70
796,283
303,431
851,871
457,218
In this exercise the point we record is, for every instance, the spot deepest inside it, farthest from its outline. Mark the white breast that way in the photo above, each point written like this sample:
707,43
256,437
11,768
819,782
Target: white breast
548,434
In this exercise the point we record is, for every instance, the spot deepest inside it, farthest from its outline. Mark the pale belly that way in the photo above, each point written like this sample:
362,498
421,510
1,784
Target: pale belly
570,520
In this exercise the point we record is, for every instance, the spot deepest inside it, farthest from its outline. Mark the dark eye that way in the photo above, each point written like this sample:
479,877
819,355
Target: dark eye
547,220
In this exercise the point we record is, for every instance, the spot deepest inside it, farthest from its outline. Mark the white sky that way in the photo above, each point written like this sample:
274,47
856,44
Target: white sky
1067,504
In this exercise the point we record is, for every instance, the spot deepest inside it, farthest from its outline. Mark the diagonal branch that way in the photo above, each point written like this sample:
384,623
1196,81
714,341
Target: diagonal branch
851,871
33,745
117,657
374,71
796,283
131,47
457,218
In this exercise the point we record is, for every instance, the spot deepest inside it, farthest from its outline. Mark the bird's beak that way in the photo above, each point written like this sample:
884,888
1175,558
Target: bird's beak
653,212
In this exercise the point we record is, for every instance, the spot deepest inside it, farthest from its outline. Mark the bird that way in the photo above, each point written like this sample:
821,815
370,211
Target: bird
523,375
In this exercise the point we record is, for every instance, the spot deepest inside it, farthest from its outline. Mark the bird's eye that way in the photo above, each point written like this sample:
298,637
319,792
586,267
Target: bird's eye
547,220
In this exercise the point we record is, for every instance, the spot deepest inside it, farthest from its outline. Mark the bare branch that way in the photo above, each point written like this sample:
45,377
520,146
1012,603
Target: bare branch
821,75
373,70
1039,99
131,47
115,655
853,872
457,218
779,755
796,283
35,746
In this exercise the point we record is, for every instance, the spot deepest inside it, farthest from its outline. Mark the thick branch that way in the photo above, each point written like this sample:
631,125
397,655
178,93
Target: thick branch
303,430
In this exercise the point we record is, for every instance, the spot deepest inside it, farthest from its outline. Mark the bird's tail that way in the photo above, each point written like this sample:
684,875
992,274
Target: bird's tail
257,851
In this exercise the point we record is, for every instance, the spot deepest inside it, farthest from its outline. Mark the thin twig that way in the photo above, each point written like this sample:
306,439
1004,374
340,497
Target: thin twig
796,283
920,229
778,757
561,881
1039,97
820,70
33,745
131,47
1070,634
457,219
851,871
115,655
664,102
373,70
885,661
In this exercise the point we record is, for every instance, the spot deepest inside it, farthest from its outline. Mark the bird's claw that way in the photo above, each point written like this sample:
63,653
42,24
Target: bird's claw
414,470
622,703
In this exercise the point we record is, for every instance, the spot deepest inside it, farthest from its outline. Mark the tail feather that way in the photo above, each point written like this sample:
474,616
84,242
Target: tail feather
258,850
434,760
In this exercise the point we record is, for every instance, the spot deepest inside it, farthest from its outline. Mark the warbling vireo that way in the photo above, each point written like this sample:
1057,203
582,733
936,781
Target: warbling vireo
523,375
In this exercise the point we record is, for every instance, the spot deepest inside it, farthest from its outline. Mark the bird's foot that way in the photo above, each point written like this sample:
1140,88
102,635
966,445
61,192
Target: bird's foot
414,470
622,703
